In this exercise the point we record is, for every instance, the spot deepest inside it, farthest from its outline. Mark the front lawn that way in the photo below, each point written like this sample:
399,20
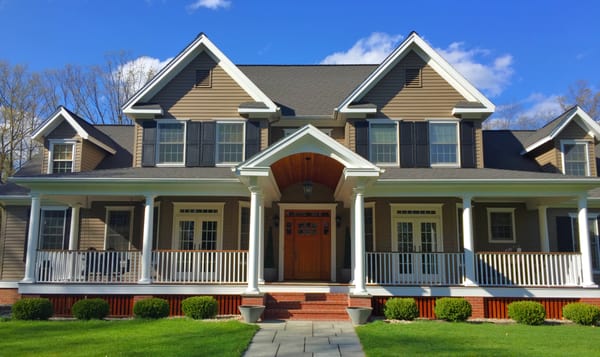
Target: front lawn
164,337
477,339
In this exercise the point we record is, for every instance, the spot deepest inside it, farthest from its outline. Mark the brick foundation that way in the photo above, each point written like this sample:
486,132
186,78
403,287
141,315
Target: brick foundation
9,296
477,306
137,298
359,301
593,301
253,299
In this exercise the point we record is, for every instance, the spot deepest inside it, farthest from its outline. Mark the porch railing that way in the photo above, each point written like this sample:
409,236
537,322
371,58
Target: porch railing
87,266
200,266
414,268
528,269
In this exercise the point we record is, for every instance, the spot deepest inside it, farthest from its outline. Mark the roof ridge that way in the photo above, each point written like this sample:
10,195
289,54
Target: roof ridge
310,65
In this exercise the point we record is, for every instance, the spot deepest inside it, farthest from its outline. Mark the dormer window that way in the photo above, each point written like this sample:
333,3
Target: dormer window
575,158
62,154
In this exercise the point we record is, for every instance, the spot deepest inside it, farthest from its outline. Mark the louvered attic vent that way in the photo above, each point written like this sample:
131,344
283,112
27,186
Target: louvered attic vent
203,78
413,78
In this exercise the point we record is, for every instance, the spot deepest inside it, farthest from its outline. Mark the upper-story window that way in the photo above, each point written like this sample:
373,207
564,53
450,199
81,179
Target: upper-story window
171,143
443,143
62,154
383,143
230,142
575,158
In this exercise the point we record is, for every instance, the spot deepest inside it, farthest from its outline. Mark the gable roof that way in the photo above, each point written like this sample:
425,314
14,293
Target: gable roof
415,43
307,89
200,44
81,126
554,127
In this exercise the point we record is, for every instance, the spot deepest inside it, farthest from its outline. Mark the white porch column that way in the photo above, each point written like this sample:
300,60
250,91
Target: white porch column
256,198
467,221
32,239
261,245
543,222
74,229
352,240
584,243
147,241
359,241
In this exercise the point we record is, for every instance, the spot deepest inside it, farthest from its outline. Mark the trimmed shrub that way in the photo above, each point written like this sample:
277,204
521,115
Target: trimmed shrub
527,312
582,313
401,309
452,309
88,309
151,308
32,309
200,307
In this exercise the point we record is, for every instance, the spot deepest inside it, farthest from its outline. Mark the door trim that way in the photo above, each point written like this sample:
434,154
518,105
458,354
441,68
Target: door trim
332,207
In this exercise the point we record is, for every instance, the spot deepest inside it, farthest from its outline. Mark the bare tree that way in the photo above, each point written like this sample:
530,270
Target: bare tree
20,109
582,94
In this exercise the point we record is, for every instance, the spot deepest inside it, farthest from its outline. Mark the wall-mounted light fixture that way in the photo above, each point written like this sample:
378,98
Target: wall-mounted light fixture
276,220
307,187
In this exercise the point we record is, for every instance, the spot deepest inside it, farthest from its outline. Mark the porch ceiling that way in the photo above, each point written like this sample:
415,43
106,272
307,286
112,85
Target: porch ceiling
307,166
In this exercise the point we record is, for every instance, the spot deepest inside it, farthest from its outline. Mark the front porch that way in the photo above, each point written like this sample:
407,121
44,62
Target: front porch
224,267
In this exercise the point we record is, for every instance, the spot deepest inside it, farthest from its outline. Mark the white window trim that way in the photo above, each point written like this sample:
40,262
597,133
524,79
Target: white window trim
228,164
242,204
385,121
52,208
458,153
438,216
510,210
219,206
51,143
109,209
371,205
170,121
575,142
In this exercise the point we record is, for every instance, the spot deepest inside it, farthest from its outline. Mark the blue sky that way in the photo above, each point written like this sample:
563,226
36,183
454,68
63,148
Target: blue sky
514,51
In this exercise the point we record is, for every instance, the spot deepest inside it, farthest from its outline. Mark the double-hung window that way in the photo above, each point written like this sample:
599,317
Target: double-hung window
52,228
230,143
443,143
171,143
575,158
383,142
501,225
62,154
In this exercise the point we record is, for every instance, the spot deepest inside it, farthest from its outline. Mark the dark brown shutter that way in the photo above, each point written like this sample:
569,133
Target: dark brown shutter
467,144
67,232
252,138
192,143
149,143
422,144
407,144
564,234
362,138
209,132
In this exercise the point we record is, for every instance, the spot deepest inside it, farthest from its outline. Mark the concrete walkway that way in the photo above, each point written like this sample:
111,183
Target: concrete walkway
305,338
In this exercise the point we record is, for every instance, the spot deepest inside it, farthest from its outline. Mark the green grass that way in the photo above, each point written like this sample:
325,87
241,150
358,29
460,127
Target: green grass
432,338
164,337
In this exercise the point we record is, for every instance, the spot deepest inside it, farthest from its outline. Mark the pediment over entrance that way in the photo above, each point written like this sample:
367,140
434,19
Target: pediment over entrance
307,154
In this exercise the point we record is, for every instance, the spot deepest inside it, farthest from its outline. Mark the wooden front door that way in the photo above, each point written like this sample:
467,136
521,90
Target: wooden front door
307,245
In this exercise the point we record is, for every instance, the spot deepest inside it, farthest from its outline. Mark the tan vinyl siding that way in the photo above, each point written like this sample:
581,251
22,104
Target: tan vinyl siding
180,98
93,228
351,136
137,144
338,135
548,157
91,156
479,145
14,234
575,132
264,136
435,99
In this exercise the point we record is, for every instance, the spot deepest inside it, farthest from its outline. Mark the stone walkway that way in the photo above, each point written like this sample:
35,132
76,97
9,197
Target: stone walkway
305,338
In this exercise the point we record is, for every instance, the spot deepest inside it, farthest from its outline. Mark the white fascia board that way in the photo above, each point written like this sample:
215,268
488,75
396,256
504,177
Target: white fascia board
471,110
345,109
55,120
102,145
256,110
432,58
143,111
183,58
254,171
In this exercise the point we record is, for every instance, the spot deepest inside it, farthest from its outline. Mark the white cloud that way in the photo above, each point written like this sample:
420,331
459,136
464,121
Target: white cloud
137,72
209,4
491,77
541,105
370,50
532,112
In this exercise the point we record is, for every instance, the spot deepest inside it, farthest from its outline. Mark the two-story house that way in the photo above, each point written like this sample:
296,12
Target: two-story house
307,188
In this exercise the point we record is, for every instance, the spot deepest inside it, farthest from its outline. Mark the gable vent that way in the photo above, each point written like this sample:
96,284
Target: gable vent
413,78
203,78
